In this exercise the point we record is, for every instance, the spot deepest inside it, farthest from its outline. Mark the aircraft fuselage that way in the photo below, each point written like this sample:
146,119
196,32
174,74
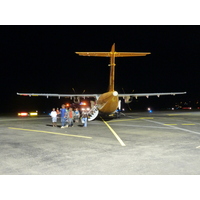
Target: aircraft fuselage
108,102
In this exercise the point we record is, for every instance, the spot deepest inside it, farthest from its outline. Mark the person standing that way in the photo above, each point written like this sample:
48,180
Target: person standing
84,118
70,117
58,113
66,117
54,117
77,115
63,116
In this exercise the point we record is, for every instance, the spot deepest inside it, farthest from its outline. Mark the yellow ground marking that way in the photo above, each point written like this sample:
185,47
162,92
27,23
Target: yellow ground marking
198,147
55,133
170,124
188,124
114,133
124,120
179,114
152,118
146,118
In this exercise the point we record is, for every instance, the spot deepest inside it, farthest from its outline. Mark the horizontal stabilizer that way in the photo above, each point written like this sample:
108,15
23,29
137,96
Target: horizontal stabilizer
116,54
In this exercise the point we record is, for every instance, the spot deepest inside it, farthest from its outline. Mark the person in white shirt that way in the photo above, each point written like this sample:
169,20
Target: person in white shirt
84,118
54,117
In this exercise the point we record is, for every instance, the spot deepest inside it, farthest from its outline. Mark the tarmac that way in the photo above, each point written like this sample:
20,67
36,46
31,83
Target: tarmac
137,143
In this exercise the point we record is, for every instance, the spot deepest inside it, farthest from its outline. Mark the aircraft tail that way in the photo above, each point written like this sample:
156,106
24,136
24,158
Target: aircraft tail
112,54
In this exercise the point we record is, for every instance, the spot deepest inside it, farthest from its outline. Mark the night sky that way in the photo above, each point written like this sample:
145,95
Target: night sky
42,59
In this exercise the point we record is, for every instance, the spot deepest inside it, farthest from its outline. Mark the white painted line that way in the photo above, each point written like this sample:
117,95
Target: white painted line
188,124
141,126
175,127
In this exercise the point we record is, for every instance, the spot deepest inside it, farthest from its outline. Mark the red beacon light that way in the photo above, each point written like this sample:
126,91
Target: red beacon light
23,114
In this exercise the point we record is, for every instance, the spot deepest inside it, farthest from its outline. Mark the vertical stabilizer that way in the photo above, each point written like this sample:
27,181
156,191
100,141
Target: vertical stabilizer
112,69
112,54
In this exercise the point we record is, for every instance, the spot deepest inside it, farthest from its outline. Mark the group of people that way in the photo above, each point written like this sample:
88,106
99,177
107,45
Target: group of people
68,117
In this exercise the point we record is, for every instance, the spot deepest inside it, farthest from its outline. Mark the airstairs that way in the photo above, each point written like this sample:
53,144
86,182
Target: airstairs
93,113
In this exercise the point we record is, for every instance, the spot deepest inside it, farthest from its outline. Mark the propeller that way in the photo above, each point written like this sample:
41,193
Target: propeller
128,103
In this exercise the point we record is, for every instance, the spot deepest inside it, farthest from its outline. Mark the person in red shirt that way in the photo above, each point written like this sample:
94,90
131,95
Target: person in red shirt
71,116
58,112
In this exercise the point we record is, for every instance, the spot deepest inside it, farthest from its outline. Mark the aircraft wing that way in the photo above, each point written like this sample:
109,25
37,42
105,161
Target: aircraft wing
149,94
60,95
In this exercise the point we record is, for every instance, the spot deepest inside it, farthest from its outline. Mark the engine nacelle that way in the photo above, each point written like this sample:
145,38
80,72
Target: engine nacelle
128,99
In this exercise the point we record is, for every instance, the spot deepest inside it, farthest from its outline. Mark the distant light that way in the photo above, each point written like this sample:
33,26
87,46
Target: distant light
23,114
83,104
33,114
88,108
187,108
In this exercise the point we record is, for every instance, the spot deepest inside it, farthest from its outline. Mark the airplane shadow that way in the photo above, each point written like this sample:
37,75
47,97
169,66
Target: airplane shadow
59,126
80,125
106,118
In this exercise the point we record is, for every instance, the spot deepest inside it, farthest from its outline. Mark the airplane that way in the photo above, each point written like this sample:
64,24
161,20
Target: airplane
107,102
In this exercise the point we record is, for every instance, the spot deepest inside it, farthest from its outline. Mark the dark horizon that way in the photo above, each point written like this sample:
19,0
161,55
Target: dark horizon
42,59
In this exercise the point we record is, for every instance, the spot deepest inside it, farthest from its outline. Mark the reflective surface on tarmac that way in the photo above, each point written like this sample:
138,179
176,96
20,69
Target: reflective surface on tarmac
141,143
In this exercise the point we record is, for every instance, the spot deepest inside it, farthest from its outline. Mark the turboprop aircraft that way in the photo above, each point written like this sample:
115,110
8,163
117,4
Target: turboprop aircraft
108,102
